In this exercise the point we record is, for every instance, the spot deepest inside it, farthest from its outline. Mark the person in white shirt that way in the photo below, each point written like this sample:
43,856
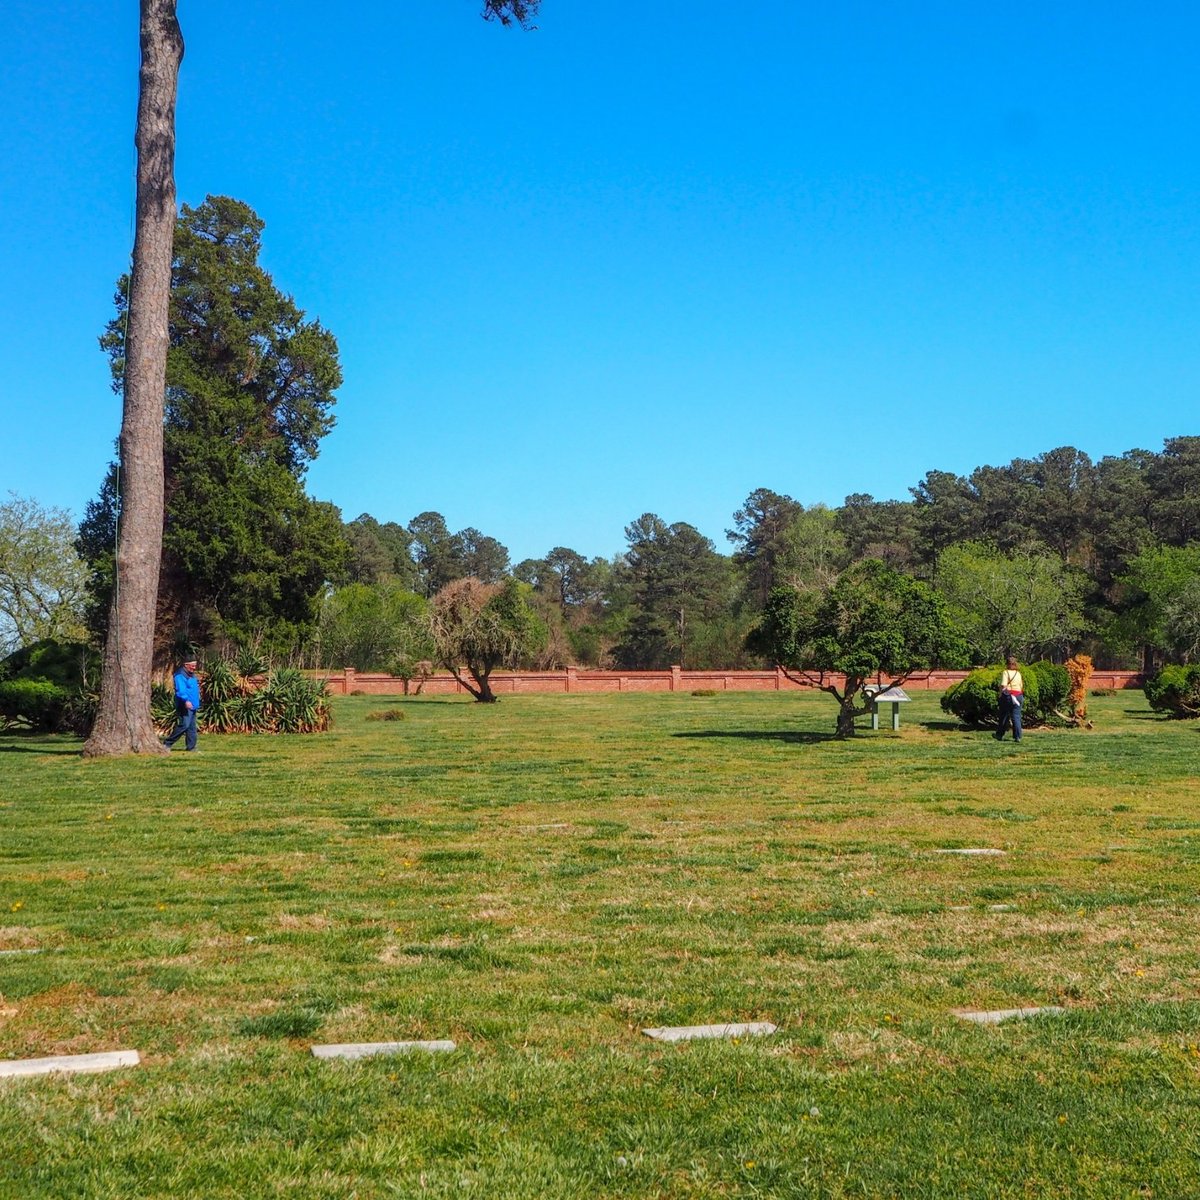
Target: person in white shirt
1012,696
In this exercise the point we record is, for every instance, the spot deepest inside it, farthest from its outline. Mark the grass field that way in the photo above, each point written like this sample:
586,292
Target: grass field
541,879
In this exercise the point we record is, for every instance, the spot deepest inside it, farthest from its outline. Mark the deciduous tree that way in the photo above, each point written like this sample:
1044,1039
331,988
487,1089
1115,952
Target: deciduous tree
43,581
1027,602
874,622
477,627
813,551
374,627
1160,595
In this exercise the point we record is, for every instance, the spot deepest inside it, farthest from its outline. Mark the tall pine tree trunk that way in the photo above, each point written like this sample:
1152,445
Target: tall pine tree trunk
123,724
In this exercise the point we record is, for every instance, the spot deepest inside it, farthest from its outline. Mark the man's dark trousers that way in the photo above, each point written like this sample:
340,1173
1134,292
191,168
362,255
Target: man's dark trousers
185,727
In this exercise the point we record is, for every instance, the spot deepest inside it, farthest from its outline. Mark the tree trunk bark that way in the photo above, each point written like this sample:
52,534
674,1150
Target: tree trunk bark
483,691
845,718
123,724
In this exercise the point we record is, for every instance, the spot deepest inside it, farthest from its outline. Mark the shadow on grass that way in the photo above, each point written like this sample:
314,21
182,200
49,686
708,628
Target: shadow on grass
763,735
39,749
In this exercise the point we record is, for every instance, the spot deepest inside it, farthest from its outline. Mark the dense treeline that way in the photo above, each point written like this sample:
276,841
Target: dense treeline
1040,557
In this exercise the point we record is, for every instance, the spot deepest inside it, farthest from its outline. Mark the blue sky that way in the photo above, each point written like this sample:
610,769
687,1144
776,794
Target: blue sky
638,263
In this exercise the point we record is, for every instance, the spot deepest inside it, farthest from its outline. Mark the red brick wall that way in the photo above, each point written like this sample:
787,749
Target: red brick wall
577,679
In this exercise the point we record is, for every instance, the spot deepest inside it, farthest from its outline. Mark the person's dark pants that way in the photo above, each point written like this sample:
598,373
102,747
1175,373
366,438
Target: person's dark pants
185,727
1010,714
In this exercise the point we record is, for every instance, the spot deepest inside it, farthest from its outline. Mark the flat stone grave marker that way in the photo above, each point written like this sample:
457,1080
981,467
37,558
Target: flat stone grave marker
70,1063
10,953
353,1050
1007,1014
979,851
686,1033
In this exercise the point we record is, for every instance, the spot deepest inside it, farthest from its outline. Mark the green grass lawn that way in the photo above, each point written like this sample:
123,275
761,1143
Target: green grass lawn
539,880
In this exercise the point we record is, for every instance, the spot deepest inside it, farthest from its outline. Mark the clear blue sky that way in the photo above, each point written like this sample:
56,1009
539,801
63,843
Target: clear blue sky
638,261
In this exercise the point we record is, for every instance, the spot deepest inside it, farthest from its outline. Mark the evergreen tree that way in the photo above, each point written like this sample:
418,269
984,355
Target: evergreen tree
677,580
249,388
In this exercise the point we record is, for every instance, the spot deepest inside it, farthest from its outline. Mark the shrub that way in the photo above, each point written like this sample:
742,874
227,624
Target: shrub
704,691
1175,690
49,688
67,664
387,714
80,713
292,703
284,702
36,703
162,707
976,700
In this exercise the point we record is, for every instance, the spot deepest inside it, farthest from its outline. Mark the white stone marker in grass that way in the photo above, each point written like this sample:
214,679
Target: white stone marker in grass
979,851
687,1033
1007,1014
10,953
70,1063
369,1049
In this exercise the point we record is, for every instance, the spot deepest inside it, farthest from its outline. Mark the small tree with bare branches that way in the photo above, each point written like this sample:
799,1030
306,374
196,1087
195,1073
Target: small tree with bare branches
477,627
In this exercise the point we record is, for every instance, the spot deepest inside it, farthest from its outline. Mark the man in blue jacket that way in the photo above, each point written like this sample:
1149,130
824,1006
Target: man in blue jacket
187,705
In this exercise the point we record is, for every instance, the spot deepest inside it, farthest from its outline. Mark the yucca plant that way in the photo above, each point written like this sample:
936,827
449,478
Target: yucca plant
249,662
235,699
249,713
162,708
296,704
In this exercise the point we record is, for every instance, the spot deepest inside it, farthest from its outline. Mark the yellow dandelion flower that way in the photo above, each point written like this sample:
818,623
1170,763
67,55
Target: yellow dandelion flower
17,906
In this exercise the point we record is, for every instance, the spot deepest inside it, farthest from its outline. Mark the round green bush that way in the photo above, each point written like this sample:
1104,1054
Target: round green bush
976,700
49,687
36,703
1175,690
67,664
